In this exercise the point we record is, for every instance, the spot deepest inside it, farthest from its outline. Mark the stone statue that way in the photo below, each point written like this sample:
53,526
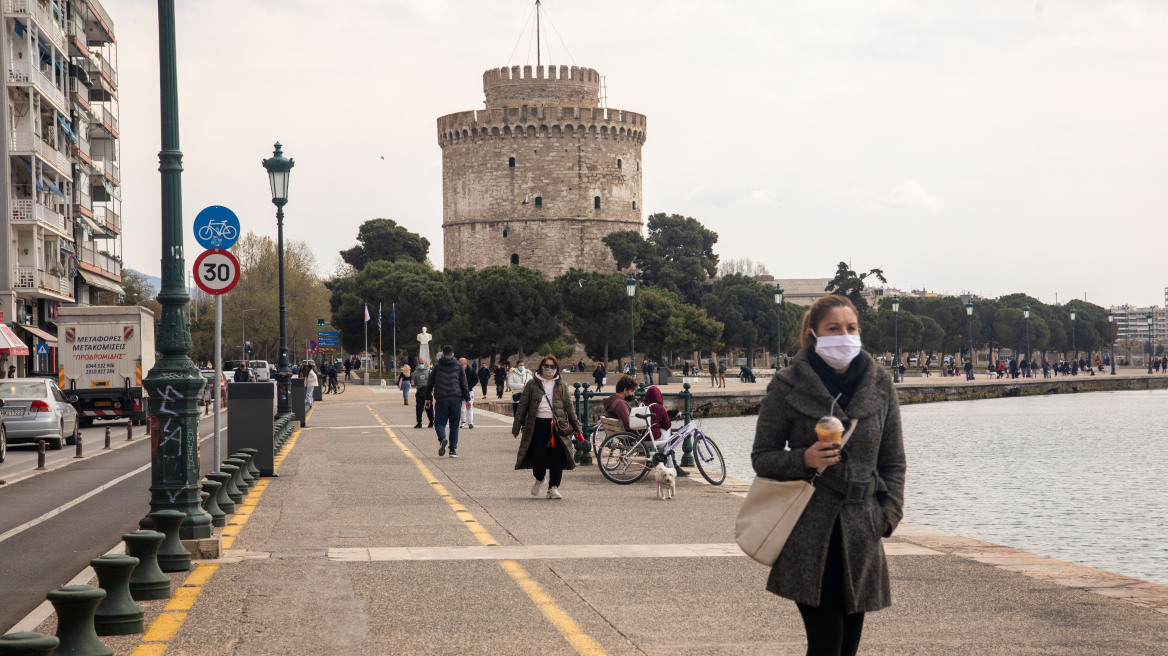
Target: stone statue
424,339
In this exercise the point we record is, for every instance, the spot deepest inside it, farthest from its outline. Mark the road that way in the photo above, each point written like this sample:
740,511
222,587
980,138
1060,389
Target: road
52,552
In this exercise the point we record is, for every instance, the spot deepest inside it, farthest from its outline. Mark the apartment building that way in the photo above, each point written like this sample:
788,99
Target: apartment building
1131,324
61,182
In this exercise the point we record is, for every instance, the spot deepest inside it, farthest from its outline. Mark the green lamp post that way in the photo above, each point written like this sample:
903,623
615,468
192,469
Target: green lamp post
779,327
279,171
969,314
1151,343
174,384
1029,364
1111,336
631,290
1074,349
896,334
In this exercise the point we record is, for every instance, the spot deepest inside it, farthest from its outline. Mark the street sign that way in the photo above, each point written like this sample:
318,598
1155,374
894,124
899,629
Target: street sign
328,338
311,346
216,271
216,227
42,349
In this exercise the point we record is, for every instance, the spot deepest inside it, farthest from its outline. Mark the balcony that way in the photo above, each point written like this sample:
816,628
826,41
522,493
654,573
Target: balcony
93,260
32,278
109,218
25,73
105,119
110,169
81,150
82,202
26,210
100,70
103,18
25,142
49,27
78,42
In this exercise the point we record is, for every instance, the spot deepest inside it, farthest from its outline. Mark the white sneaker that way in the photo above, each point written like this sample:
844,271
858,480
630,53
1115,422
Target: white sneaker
535,489
554,493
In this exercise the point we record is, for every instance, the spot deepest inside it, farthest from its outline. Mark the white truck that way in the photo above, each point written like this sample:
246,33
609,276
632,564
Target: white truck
104,353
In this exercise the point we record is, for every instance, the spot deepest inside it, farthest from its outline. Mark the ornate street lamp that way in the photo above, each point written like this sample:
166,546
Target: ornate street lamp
631,290
1111,335
1029,363
279,170
1151,343
174,383
969,314
896,334
779,327
1075,349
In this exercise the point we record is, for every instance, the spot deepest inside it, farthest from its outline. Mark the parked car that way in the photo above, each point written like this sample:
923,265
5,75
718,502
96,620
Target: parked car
36,409
262,369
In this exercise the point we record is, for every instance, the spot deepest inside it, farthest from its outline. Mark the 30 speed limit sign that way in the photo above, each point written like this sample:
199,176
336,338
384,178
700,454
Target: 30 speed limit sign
216,271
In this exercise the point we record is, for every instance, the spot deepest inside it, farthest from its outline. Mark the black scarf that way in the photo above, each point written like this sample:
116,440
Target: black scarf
843,385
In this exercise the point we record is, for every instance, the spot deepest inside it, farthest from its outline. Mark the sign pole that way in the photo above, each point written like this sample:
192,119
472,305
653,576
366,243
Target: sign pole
215,379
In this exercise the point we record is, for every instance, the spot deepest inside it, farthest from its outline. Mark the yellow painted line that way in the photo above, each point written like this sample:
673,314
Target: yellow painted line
166,625
164,628
558,617
184,597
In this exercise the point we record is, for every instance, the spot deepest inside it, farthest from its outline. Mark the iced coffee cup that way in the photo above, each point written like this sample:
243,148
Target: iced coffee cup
830,430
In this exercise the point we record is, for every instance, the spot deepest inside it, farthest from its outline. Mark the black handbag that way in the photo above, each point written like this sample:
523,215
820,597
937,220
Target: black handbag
563,426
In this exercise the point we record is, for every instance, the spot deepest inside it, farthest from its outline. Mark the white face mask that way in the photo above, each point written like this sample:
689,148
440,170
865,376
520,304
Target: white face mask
837,351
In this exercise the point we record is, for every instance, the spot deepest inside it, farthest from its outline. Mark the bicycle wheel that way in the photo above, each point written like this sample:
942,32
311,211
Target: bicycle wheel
623,458
205,232
340,387
596,437
708,457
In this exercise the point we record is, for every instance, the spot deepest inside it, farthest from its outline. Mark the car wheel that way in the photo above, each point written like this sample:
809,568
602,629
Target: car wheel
3,443
60,441
76,432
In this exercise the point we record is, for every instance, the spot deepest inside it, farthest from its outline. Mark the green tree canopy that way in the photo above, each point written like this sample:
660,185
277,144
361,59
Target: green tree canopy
677,254
385,240
596,310
413,291
671,325
850,284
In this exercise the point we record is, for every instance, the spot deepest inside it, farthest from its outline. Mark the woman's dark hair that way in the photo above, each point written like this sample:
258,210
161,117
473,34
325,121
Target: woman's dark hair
626,382
551,357
817,311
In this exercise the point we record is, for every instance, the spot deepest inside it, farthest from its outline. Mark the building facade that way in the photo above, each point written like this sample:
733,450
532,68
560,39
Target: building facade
61,176
541,175
1131,325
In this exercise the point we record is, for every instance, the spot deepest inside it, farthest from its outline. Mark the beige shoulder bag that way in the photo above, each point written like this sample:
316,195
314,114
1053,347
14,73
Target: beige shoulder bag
770,512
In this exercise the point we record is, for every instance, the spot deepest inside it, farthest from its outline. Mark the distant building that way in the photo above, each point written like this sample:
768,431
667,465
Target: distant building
1132,323
800,291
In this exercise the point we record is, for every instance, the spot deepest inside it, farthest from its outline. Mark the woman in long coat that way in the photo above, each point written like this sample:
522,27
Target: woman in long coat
833,563
545,400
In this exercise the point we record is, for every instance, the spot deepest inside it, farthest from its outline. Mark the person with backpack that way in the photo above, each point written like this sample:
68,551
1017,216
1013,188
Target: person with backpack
448,392
421,402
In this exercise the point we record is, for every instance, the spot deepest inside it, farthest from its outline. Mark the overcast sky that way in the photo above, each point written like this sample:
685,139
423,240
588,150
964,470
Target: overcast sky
965,145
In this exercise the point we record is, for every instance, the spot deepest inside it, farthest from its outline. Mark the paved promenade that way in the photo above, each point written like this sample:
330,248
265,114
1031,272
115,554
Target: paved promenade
368,543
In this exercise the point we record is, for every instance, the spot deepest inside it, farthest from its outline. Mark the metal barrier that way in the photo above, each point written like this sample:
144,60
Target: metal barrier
583,397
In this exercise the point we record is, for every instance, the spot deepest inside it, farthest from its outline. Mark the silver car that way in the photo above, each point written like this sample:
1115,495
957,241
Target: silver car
36,409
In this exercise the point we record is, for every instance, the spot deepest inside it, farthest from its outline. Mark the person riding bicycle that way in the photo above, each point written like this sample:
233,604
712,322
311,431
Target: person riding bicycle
660,422
617,405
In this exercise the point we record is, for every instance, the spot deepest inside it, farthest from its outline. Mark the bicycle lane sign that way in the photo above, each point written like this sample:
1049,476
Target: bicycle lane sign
216,227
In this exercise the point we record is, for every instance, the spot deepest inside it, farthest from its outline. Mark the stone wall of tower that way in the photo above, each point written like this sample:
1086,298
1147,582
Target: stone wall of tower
561,159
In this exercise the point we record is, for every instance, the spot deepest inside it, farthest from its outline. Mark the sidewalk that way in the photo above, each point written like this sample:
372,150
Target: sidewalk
368,543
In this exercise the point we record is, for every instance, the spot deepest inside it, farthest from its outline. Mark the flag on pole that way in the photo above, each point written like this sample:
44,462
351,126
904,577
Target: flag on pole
378,316
366,313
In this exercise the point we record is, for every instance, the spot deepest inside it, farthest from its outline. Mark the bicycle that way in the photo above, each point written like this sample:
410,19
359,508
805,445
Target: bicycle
626,456
217,232
338,388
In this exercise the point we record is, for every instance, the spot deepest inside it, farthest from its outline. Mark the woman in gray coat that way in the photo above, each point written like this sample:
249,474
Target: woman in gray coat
833,563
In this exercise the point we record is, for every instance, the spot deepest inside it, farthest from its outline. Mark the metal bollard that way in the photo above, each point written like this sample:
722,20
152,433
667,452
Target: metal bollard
172,555
27,643
130,431
79,450
75,606
40,455
222,499
147,581
107,438
117,614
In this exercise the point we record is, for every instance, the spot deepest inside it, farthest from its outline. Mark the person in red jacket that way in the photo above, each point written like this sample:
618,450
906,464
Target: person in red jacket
660,423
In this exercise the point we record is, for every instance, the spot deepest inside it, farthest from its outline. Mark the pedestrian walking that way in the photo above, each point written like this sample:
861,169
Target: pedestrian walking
516,380
722,373
713,372
467,419
403,383
348,369
500,379
649,369
310,381
420,378
543,404
969,370
447,390
859,498
484,377
600,376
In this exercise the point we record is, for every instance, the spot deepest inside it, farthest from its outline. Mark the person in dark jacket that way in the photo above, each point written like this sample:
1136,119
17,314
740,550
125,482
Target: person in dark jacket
500,380
420,378
241,373
599,374
484,378
447,391
833,564
617,405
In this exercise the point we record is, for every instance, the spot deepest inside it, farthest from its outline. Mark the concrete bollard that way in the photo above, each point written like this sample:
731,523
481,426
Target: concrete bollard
233,490
107,438
27,643
75,606
222,499
203,496
40,455
244,470
172,555
147,582
117,614
251,466
130,431
211,488
79,453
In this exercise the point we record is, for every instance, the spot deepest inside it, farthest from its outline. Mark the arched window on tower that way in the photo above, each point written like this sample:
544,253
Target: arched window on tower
539,202
515,259
511,162
504,233
596,202
634,206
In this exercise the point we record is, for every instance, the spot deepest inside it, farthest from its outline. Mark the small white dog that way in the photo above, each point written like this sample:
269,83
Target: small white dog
666,478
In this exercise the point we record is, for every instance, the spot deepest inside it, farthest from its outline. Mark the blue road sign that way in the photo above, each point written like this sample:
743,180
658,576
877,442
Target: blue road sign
216,227
42,349
329,338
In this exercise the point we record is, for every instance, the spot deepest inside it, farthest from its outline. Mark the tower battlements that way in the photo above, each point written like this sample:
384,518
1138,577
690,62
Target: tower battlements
573,86
510,122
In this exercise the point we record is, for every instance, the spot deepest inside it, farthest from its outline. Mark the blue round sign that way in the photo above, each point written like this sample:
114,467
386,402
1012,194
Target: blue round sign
216,227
